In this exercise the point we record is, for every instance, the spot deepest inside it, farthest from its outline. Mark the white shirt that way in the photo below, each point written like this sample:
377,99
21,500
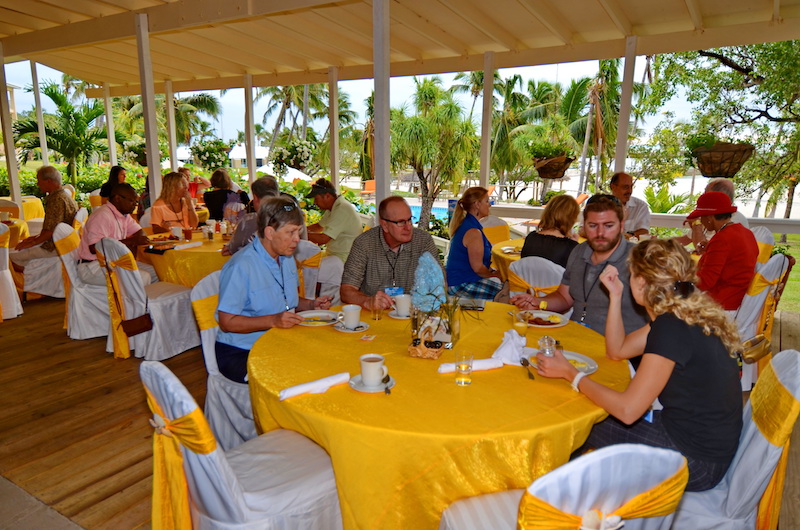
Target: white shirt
637,215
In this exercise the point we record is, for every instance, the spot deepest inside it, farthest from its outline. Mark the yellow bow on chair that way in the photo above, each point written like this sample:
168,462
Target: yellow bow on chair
204,310
313,263
661,500
4,239
517,283
65,246
116,307
170,490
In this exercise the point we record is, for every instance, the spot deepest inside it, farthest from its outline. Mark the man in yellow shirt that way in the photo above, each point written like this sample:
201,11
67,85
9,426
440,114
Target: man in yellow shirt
340,224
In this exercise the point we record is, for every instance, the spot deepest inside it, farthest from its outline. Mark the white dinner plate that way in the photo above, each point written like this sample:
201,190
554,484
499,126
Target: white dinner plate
318,317
563,320
393,314
511,250
583,363
356,384
362,326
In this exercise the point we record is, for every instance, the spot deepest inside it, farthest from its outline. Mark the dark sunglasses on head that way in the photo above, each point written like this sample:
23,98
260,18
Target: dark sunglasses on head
601,196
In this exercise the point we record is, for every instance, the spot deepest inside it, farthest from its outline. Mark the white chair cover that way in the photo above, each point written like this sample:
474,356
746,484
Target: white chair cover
231,212
771,413
144,220
43,276
69,188
87,305
495,229
330,278
280,480
12,207
766,242
174,330
35,226
10,306
228,407
82,214
749,313
602,480
537,272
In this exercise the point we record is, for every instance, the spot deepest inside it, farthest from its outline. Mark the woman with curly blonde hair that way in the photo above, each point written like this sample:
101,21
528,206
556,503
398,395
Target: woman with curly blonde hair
689,364
174,205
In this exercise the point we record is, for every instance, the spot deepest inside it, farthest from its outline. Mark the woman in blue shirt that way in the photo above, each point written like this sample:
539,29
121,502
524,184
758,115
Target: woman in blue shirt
258,287
468,272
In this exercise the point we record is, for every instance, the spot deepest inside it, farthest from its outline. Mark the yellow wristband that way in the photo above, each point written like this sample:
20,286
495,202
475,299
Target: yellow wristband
697,222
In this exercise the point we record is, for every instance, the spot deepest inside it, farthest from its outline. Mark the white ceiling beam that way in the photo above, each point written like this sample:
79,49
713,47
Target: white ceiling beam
173,16
24,20
356,26
617,16
300,52
482,22
423,27
327,35
256,60
548,18
46,12
695,14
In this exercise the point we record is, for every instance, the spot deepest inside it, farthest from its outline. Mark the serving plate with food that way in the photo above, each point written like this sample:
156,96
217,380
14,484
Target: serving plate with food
539,318
581,362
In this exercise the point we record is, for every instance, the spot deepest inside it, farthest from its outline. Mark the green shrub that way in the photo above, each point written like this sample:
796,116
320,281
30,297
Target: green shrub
552,193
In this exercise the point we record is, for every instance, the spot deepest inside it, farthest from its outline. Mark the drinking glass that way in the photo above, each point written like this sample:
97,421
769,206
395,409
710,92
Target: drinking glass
463,368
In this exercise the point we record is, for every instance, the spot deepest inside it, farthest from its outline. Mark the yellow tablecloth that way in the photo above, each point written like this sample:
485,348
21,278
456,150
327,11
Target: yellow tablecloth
202,214
400,460
32,208
17,231
189,266
502,261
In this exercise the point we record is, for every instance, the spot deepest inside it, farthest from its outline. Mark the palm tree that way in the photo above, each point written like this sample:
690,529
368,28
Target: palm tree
473,85
72,133
188,111
287,100
504,157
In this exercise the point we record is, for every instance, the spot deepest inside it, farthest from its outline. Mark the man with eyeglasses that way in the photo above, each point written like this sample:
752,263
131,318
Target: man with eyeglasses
112,220
385,258
637,213
340,224
581,288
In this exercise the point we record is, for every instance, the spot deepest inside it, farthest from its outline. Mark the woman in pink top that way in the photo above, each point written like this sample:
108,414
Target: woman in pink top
174,206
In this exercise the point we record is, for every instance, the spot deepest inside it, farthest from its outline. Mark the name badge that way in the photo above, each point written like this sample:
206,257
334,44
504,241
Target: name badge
648,417
394,290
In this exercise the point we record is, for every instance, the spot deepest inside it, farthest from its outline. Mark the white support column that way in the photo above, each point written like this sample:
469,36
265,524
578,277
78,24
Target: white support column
37,97
112,141
169,110
486,118
8,135
380,59
305,111
148,105
333,122
249,128
621,151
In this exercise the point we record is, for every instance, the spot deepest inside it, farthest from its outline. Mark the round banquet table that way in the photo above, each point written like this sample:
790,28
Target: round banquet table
17,231
401,459
501,260
188,266
32,207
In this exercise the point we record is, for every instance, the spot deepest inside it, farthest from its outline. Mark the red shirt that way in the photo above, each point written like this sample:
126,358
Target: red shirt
728,265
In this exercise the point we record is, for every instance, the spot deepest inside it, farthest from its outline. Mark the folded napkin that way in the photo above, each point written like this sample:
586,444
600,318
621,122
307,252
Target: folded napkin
319,386
477,365
188,245
511,348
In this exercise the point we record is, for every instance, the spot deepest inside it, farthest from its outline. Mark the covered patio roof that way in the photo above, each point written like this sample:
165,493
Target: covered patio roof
212,44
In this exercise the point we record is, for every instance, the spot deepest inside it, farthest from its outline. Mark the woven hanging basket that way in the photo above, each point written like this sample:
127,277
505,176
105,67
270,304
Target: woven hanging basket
722,159
553,168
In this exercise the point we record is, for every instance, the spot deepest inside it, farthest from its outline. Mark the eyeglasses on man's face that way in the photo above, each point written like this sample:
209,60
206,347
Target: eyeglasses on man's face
603,196
402,223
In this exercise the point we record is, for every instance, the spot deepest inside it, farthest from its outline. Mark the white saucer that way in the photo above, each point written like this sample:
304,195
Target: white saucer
356,384
393,314
362,326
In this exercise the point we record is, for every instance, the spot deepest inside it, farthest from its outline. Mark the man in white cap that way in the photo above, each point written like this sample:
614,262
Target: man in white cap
729,262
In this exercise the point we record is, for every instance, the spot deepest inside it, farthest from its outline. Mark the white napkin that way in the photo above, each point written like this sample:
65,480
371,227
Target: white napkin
318,386
477,365
511,348
188,245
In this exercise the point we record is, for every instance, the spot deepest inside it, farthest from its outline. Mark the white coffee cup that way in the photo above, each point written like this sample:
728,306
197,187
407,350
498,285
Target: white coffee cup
372,369
402,304
177,231
350,316
5,216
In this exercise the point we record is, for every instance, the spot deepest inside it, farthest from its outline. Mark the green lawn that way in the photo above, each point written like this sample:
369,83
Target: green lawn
790,301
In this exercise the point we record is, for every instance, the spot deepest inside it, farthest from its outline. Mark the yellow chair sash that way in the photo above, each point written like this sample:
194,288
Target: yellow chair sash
496,234
122,349
65,246
775,411
759,283
661,500
4,239
517,283
170,490
204,310
313,262
764,252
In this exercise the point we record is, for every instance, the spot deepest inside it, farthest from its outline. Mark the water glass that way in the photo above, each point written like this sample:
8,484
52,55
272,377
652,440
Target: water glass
377,312
463,368
547,346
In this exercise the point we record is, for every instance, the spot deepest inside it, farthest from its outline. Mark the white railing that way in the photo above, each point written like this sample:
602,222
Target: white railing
665,220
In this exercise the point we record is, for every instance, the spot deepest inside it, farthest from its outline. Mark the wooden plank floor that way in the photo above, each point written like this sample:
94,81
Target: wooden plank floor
74,430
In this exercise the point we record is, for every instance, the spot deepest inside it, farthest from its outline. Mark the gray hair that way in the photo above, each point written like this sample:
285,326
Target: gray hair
278,212
265,187
49,173
721,184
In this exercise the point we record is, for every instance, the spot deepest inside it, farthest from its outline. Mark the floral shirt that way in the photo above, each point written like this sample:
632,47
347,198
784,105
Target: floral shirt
59,207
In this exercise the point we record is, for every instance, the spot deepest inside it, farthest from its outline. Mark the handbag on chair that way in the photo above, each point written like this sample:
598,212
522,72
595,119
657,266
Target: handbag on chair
132,326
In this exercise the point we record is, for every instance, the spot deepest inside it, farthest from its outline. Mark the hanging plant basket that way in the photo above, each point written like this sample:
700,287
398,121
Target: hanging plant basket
722,159
553,168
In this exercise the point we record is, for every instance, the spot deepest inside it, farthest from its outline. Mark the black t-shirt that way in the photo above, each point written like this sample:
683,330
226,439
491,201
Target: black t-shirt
553,248
216,200
703,397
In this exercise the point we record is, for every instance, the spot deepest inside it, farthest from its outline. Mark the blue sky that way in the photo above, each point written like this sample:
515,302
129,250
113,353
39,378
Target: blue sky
401,90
